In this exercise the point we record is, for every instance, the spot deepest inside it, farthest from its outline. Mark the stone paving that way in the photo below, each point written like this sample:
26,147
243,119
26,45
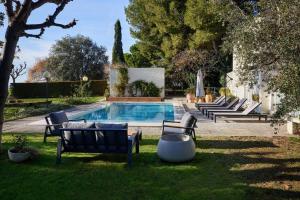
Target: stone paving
205,127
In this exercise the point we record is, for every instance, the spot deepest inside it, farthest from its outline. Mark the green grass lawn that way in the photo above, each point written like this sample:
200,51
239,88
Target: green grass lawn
12,113
224,168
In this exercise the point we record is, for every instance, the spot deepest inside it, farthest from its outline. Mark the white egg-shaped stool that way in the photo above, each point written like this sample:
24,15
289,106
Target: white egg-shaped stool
176,148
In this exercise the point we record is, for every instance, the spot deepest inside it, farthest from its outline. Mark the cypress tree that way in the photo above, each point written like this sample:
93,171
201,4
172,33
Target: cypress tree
117,53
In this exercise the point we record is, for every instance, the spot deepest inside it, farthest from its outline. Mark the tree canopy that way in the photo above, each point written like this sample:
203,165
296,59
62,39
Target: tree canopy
117,53
135,58
267,43
167,30
73,57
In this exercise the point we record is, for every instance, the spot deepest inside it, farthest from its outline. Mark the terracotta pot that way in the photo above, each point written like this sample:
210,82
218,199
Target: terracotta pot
190,98
18,157
208,98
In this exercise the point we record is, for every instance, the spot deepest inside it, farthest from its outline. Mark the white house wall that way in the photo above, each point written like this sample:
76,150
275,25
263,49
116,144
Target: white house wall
155,75
269,101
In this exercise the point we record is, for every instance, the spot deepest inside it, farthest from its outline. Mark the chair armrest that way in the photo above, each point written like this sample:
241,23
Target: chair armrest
76,120
169,121
188,128
52,125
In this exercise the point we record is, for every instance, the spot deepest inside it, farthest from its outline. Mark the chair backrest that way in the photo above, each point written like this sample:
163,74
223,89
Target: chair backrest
91,137
232,103
188,120
217,99
239,104
251,108
220,99
224,101
58,118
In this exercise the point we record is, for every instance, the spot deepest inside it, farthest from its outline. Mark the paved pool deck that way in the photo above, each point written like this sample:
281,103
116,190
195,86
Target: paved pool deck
205,127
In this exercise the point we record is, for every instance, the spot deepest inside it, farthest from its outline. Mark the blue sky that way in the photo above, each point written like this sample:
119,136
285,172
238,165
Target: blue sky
96,20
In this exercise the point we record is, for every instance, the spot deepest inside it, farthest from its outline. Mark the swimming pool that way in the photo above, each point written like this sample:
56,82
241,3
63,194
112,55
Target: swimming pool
131,112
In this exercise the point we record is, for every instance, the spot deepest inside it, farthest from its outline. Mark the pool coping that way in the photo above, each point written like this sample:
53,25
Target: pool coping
178,112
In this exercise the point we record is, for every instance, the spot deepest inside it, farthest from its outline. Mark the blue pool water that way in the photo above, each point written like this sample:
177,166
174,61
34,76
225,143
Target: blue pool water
131,112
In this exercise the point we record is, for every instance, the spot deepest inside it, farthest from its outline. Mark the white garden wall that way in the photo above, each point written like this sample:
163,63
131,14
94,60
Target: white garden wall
155,75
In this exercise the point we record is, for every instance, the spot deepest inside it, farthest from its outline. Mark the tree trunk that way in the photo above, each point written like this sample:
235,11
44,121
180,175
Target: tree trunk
9,49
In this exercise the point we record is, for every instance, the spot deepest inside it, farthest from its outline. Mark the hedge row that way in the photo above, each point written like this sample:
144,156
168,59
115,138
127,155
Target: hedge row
55,89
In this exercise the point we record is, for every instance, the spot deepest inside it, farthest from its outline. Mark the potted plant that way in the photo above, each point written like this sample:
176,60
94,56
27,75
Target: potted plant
208,96
255,97
19,152
106,94
190,94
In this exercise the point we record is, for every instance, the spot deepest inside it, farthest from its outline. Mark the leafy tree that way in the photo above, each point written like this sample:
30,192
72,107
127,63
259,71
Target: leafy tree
166,28
167,32
35,73
17,14
117,54
267,43
135,58
73,57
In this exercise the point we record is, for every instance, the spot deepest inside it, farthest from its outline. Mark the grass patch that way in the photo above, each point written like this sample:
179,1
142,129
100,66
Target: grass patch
13,113
224,168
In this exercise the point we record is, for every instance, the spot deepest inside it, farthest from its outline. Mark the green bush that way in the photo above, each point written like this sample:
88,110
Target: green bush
224,91
146,89
56,89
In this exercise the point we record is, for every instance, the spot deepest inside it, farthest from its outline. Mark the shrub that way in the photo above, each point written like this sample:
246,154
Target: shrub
55,89
224,91
146,89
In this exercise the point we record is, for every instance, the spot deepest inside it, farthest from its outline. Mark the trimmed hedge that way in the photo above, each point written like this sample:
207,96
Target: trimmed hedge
55,89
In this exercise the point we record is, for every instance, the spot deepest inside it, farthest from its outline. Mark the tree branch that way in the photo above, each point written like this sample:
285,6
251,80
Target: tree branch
18,5
50,21
9,8
38,36
40,3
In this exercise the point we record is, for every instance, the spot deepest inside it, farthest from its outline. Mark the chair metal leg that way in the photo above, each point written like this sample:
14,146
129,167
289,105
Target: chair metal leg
137,144
45,135
129,154
59,152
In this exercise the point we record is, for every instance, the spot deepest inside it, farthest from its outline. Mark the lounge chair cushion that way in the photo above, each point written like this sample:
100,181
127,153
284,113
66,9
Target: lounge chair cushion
116,139
77,138
58,118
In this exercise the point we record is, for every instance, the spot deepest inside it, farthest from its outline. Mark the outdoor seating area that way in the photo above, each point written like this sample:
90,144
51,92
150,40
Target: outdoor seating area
138,99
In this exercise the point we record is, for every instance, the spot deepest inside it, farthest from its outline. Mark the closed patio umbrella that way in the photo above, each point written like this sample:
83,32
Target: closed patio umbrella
200,86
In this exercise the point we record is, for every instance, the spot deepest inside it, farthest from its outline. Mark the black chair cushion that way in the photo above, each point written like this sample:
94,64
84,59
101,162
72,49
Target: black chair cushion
58,118
78,138
114,136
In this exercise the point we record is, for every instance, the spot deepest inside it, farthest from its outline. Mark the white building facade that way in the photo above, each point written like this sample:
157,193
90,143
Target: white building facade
244,90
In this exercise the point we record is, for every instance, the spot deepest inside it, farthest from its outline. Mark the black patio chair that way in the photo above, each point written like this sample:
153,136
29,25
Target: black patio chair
54,123
185,126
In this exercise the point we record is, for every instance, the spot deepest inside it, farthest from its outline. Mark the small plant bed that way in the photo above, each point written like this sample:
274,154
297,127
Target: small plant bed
23,104
135,99
225,168
32,107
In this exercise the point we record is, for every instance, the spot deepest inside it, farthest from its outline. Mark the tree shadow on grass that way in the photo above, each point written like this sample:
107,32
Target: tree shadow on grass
211,175
233,144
